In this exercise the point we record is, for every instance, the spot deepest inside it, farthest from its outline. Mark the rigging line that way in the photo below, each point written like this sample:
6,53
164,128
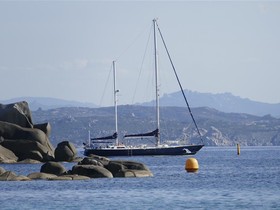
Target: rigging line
130,45
179,83
106,84
141,67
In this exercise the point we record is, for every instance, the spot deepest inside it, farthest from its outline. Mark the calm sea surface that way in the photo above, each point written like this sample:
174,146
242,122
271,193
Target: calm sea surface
224,181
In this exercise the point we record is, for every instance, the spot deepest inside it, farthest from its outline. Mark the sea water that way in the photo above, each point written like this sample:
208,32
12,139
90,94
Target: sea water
224,180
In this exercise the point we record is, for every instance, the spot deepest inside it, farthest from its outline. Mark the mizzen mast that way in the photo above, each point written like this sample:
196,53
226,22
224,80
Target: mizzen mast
115,101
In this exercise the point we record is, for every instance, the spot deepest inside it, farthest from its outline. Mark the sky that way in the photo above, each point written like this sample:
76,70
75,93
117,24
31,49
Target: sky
65,49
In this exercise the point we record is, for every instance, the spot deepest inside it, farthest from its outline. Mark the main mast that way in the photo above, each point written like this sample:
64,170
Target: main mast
157,86
115,101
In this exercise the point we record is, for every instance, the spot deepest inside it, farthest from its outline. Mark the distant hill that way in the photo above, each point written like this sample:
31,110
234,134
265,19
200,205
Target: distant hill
218,128
71,120
225,102
46,103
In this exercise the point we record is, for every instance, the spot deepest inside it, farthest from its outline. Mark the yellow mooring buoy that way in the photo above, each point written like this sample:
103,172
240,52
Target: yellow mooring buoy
191,165
238,149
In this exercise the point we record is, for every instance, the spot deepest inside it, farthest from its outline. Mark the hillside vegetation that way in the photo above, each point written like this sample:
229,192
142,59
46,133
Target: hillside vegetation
218,128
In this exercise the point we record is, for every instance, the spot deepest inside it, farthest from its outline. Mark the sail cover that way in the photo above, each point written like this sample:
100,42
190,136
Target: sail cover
114,136
150,134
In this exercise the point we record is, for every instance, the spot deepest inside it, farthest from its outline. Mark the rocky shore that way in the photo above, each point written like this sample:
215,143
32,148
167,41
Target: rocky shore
23,142
87,168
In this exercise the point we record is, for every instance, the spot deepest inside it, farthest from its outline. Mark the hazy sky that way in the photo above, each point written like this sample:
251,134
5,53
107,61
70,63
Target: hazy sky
65,49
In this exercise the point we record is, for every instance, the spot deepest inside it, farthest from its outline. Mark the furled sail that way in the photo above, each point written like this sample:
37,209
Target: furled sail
150,134
114,136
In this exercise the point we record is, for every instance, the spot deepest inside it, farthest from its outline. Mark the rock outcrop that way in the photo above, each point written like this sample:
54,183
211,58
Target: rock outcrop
7,156
23,142
19,135
53,168
128,169
45,127
16,113
41,175
89,167
11,176
92,171
65,151
2,170
92,166
95,160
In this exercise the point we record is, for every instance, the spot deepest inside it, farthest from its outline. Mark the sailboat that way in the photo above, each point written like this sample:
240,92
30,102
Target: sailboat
158,149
